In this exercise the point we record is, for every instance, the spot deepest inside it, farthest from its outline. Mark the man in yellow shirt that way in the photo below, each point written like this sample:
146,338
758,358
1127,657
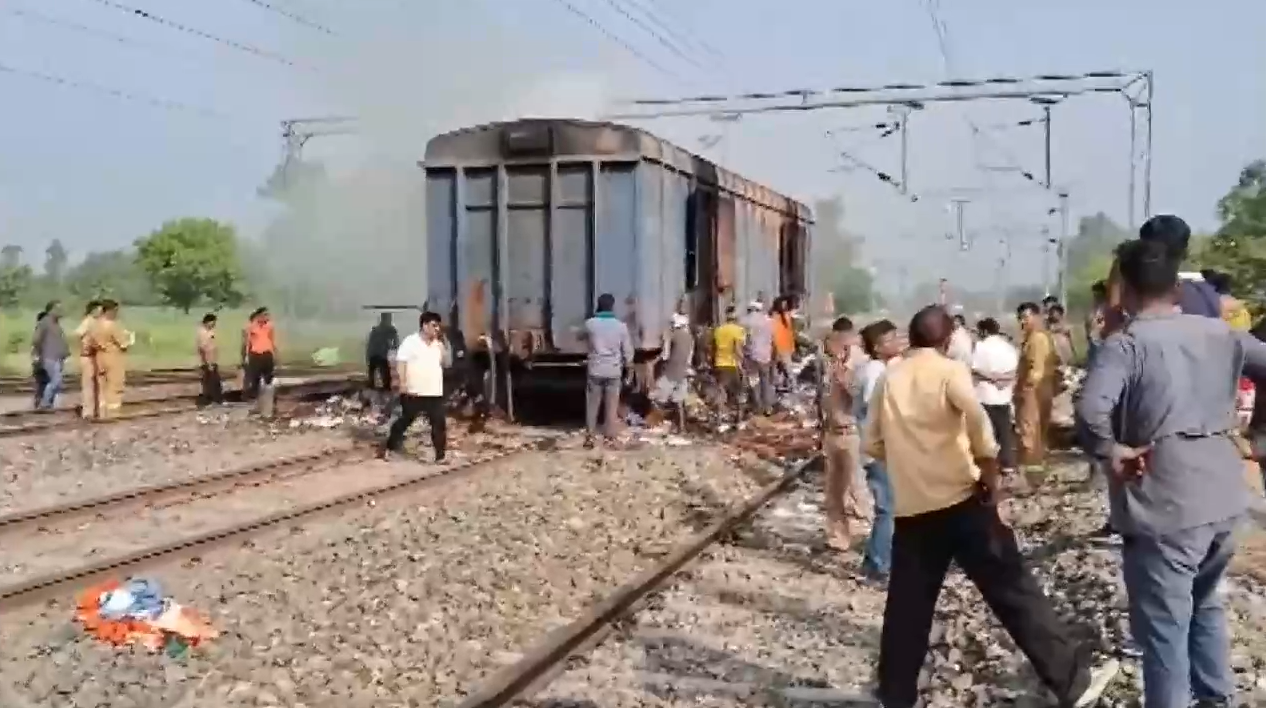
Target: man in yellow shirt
108,342
934,438
727,362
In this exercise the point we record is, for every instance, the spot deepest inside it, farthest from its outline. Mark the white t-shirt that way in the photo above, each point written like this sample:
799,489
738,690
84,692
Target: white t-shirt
960,347
994,356
424,365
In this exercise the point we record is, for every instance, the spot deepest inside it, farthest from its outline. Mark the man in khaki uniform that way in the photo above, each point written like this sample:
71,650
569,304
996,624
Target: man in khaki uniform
1036,381
88,401
841,441
109,341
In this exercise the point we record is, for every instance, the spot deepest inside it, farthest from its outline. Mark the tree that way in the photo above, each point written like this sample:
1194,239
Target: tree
1239,245
55,258
191,260
112,274
10,256
15,282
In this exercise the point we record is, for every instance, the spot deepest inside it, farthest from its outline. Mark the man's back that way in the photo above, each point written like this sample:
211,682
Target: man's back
929,421
382,339
760,337
725,342
1180,376
995,356
609,346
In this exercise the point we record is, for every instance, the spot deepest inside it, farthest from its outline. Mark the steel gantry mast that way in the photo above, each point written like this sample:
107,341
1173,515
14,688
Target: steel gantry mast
1045,91
295,134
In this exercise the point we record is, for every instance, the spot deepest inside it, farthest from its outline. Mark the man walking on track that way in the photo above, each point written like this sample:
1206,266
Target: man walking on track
209,362
1159,407
933,435
89,401
420,364
108,342
610,355
727,363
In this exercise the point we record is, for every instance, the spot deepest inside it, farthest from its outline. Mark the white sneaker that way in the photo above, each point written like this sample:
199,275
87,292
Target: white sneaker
1099,679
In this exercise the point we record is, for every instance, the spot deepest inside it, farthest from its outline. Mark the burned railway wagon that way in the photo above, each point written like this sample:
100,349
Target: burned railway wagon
529,221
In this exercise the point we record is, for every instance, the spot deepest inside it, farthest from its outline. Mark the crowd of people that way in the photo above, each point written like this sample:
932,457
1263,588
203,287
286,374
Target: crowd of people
1158,416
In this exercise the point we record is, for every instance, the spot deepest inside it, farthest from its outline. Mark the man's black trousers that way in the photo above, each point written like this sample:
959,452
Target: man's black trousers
212,386
379,371
1003,425
432,407
971,534
259,370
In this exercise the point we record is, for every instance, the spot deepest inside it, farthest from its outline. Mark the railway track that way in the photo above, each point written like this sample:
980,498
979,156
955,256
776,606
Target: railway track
62,583
22,385
26,422
547,659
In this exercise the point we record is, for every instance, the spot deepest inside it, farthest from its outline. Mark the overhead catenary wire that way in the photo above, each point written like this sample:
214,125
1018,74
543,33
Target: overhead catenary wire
33,16
171,24
612,36
295,18
697,41
681,38
658,36
120,94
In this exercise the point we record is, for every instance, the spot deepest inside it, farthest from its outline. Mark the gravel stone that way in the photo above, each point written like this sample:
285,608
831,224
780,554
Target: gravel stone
411,602
770,618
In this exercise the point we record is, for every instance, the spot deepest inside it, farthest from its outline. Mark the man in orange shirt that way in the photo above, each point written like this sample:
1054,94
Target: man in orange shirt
784,338
259,352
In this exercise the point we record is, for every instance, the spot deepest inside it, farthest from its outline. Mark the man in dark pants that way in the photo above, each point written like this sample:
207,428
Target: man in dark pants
993,365
925,423
259,352
383,339
209,360
420,364
610,356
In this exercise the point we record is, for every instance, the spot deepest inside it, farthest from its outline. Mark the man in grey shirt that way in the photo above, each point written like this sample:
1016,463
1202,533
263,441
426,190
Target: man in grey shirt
610,352
673,384
1159,406
49,348
760,355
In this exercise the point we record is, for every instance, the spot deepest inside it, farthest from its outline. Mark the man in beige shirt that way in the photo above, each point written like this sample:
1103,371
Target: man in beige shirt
935,439
841,438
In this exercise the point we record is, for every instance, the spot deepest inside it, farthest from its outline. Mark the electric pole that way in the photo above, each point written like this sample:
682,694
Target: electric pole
964,243
1062,248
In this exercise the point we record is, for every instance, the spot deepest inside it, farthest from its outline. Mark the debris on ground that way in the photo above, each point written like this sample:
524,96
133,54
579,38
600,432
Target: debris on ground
136,612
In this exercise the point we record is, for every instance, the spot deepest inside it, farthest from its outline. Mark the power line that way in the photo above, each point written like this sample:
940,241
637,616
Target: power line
153,101
670,46
297,19
609,35
233,44
93,32
697,41
681,38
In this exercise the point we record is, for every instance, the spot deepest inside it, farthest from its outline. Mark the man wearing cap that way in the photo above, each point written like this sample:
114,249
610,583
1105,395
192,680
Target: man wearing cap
1195,297
760,356
673,383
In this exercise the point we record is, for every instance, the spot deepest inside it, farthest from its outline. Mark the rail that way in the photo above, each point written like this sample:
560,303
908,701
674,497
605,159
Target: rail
542,662
57,584
26,422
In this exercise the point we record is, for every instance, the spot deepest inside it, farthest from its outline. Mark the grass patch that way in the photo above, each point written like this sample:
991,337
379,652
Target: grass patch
165,338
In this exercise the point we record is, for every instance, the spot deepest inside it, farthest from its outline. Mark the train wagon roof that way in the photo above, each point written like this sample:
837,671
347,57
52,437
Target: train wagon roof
531,140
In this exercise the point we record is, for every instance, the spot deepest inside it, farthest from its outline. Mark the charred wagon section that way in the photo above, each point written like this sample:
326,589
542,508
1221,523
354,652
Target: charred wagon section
528,221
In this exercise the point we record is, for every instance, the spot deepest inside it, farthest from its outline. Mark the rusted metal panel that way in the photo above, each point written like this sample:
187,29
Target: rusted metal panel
537,218
441,226
616,267
476,276
724,239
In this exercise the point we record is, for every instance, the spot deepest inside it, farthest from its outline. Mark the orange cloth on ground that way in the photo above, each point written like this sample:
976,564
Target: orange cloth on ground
178,620
259,338
784,335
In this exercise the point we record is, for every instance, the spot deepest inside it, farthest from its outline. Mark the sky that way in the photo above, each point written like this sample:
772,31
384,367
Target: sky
97,171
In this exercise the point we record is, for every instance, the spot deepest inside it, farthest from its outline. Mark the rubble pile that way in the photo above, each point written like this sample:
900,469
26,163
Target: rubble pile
415,600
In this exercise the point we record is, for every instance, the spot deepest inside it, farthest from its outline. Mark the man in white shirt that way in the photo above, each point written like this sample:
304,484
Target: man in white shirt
883,346
420,363
960,344
993,367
